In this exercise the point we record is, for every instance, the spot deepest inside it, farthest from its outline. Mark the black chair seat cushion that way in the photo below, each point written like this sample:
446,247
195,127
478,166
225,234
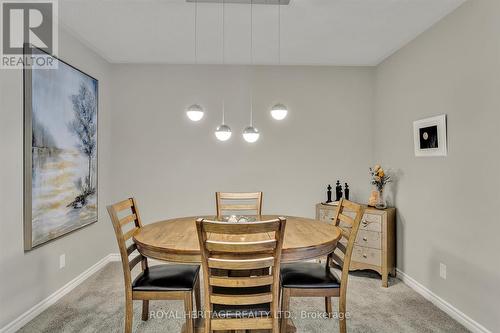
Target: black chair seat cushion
167,278
241,311
308,275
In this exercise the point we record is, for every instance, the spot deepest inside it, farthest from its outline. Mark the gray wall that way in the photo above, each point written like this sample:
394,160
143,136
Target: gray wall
447,206
173,166
27,278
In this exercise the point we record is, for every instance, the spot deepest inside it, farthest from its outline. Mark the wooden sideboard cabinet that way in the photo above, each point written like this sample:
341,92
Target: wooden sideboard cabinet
375,246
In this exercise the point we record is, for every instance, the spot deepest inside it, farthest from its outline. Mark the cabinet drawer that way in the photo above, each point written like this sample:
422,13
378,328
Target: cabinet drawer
367,255
326,215
371,222
369,239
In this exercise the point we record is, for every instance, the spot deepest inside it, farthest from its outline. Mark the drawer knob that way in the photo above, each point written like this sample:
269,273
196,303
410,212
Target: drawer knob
365,223
365,239
364,255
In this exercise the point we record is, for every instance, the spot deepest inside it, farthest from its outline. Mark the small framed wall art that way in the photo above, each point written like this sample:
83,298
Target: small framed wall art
430,137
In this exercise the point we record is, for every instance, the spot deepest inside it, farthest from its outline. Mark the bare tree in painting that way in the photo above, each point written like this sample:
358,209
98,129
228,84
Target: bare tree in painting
84,126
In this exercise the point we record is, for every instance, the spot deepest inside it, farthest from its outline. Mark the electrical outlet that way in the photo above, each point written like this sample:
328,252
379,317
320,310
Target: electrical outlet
442,271
62,261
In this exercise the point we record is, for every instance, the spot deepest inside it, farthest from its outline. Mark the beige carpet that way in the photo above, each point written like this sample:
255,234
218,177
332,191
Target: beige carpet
97,306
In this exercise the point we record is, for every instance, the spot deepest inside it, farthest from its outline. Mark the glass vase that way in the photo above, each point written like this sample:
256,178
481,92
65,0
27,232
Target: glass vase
381,202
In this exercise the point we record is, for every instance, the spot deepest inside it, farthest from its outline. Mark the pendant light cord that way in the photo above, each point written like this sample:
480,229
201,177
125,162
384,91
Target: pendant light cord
223,111
279,32
251,61
223,32
251,111
195,32
223,55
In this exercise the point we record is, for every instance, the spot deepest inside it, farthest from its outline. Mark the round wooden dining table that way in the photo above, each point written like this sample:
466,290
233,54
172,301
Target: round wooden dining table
176,239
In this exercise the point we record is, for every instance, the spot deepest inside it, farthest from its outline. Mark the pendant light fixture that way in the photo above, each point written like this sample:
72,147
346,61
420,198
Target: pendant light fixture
223,132
195,112
250,133
279,111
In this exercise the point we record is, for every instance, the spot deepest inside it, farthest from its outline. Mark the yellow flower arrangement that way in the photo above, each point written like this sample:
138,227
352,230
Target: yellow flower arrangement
379,177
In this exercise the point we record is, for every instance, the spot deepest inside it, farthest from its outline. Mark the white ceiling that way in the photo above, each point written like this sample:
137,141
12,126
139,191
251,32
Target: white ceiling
313,32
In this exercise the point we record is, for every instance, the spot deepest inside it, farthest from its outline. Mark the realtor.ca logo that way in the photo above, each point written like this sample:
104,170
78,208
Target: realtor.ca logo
29,33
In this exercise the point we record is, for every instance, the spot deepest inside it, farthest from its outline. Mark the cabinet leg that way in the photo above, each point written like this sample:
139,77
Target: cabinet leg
385,280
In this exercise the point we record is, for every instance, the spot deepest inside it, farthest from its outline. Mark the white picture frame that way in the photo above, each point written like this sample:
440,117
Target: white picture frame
430,137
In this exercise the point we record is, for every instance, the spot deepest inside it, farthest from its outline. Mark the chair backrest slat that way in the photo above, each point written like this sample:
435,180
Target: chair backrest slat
240,228
239,282
238,247
345,233
131,248
346,219
225,252
240,264
241,299
132,263
238,201
130,233
349,229
127,219
122,205
124,233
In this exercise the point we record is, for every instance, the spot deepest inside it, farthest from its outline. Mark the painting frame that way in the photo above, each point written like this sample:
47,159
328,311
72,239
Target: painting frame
29,51
430,136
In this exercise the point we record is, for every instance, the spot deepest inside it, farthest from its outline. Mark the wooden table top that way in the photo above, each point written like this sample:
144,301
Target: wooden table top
177,240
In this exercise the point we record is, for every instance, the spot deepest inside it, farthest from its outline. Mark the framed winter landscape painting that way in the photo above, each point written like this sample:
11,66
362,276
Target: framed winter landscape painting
60,151
430,137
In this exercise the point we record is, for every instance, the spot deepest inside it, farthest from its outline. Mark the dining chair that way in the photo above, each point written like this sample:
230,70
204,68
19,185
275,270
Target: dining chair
310,279
241,302
238,201
159,282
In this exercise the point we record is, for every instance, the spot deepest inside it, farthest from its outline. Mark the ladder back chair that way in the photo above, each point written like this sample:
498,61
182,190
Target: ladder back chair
241,302
311,279
238,201
159,282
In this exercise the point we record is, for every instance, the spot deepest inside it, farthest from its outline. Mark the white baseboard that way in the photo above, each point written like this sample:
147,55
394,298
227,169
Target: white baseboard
453,312
29,315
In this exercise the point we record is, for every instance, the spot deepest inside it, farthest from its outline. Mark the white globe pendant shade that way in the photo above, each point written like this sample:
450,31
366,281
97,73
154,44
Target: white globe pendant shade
251,134
223,133
279,111
195,112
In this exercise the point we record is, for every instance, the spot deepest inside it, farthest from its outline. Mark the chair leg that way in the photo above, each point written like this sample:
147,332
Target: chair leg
197,296
207,322
276,326
285,306
188,309
145,310
328,307
341,314
129,313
